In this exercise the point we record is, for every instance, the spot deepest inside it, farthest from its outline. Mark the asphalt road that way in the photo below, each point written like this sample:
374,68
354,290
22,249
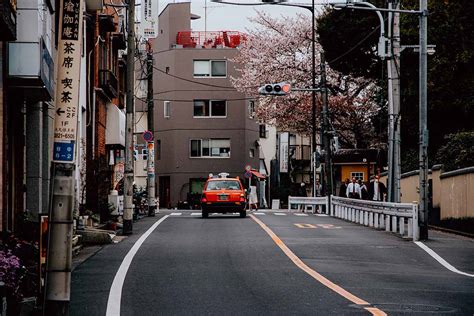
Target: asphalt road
276,265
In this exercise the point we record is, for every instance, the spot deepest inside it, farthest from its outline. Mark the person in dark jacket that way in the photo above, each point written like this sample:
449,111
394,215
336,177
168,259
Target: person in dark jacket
343,188
377,190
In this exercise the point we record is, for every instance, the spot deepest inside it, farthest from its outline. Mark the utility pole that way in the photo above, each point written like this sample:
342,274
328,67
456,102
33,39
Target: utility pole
129,146
423,157
393,71
60,230
151,144
326,135
314,155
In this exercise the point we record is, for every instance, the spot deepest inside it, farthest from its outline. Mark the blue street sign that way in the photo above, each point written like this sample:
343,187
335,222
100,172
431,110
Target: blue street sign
248,174
63,152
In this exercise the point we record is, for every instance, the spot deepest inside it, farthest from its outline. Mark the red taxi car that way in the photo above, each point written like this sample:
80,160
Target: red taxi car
223,195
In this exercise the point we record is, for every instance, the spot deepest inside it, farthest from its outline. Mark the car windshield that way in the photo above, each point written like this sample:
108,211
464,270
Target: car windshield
225,184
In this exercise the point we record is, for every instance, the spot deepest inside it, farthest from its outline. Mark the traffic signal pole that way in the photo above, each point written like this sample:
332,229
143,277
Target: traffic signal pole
129,146
151,144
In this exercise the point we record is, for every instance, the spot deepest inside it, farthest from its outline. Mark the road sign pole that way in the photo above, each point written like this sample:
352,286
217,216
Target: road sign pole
59,251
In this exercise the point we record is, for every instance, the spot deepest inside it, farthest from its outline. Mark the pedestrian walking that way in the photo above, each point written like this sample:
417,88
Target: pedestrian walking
343,188
253,199
319,188
353,190
377,190
364,193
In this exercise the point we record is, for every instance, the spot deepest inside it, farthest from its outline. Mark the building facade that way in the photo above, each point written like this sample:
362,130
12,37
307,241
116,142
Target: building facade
202,124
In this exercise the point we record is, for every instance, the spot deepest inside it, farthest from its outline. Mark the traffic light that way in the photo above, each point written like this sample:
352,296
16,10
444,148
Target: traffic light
282,88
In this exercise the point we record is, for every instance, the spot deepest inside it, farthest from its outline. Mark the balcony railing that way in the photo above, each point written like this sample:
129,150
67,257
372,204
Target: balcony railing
194,39
108,83
8,20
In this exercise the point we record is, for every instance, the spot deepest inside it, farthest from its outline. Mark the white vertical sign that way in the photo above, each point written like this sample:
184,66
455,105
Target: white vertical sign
284,139
67,82
149,19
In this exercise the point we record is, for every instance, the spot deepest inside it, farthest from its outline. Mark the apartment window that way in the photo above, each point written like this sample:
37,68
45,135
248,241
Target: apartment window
167,109
210,148
251,109
210,108
262,128
357,175
210,68
252,153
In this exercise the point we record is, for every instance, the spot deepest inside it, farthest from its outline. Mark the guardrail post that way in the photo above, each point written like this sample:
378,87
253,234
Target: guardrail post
402,225
366,218
394,224
410,227
376,220
361,217
371,219
387,223
416,225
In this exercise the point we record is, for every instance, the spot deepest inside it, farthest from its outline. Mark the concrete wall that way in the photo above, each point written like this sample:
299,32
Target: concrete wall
452,191
457,190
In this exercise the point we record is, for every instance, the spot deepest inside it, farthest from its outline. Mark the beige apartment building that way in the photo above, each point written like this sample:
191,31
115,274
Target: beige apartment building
202,124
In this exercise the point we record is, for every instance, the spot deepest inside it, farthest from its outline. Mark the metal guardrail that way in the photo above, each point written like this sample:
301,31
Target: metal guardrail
312,201
400,218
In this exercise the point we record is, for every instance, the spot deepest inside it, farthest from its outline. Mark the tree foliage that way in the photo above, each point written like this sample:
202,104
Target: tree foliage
457,152
349,37
280,49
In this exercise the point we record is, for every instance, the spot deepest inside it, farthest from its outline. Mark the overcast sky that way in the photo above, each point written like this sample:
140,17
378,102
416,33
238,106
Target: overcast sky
222,17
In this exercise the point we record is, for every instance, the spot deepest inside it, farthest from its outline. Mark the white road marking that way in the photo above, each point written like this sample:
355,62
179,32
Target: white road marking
175,214
441,260
196,214
322,215
115,294
299,214
259,213
280,214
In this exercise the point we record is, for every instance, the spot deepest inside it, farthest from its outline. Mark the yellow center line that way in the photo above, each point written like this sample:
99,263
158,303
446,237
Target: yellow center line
318,277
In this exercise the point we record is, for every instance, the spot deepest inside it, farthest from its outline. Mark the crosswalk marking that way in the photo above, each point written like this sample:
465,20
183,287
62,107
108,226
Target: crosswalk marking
262,213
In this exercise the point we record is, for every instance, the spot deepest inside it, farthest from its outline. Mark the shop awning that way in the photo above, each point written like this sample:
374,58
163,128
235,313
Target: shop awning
258,174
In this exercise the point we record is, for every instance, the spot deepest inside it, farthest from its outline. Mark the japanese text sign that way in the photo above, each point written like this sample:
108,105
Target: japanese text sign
67,83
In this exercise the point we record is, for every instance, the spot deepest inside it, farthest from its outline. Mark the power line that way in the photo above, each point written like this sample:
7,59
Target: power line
197,82
355,46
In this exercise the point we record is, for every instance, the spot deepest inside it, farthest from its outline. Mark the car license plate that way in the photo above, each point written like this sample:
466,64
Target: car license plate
223,197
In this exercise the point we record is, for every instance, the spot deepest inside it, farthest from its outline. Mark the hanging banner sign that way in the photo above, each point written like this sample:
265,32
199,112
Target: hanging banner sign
148,27
284,147
151,162
67,82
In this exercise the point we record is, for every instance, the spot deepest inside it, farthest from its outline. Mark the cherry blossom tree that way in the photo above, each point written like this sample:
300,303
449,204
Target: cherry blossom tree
280,49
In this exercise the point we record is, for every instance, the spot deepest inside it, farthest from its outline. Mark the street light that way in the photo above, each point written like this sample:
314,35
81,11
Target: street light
313,56
423,128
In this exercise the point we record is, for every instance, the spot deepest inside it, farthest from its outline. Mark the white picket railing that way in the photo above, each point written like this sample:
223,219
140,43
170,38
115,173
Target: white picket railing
307,201
401,218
